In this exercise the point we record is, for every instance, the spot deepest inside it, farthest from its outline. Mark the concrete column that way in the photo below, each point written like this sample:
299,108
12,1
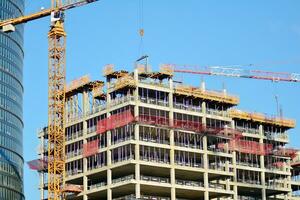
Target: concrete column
203,107
205,166
136,75
235,188
172,150
85,197
109,172
84,128
85,187
172,142
85,103
137,185
289,179
109,180
173,182
76,106
136,138
137,165
262,165
172,162
41,184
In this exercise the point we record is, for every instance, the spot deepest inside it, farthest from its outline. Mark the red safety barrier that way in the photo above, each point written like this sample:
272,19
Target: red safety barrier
90,148
249,147
188,125
153,120
115,121
71,188
101,126
278,164
285,152
38,164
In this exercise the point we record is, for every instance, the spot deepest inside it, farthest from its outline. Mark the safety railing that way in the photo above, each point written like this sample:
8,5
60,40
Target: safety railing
123,179
247,130
154,101
217,186
217,112
189,183
155,179
96,185
187,107
157,160
121,159
74,135
151,82
120,100
72,154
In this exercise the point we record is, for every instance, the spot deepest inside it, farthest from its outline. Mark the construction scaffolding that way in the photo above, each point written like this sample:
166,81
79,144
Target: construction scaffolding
203,94
258,117
140,132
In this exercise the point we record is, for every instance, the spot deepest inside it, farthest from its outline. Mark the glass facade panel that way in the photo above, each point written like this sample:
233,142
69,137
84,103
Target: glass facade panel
11,102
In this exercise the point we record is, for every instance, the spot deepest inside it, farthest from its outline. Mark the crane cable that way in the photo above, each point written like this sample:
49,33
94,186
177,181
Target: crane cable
141,25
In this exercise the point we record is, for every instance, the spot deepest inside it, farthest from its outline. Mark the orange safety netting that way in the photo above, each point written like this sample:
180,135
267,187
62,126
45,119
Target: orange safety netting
153,120
201,128
285,152
73,188
223,132
115,121
126,117
90,148
249,147
188,125
38,164
278,164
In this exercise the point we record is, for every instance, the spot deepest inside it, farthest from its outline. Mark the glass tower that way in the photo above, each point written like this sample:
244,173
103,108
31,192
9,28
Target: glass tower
11,101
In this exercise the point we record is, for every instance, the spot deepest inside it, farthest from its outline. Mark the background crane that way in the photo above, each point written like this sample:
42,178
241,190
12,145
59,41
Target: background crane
235,72
56,87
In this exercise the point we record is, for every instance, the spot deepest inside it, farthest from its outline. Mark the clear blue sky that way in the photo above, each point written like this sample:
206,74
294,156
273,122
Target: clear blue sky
208,32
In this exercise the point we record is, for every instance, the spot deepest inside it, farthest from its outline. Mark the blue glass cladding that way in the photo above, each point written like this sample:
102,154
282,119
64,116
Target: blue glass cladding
11,102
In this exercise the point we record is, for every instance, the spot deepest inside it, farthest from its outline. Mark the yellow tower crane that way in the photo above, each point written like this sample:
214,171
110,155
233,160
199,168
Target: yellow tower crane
56,87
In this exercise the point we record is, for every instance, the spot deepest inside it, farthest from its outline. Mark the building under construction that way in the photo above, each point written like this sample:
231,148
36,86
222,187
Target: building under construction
141,135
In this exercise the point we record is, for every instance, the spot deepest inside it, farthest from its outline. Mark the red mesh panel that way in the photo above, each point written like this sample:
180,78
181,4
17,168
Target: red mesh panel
249,147
90,148
153,120
287,152
101,126
73,188
38,164
188,125
114,121
278,164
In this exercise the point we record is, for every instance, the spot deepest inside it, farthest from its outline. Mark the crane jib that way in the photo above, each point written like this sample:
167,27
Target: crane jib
44,13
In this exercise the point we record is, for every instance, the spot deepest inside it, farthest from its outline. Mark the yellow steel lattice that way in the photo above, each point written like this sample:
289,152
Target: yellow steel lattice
56,110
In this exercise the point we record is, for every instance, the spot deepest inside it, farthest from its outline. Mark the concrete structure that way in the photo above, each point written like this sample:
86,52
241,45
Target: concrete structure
146,137
11,104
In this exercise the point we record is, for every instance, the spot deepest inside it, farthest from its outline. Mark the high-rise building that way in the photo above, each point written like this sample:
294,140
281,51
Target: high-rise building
148,137
11,102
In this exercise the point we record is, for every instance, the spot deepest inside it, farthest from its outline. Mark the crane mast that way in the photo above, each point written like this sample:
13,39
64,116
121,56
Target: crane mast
56,103
56,87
